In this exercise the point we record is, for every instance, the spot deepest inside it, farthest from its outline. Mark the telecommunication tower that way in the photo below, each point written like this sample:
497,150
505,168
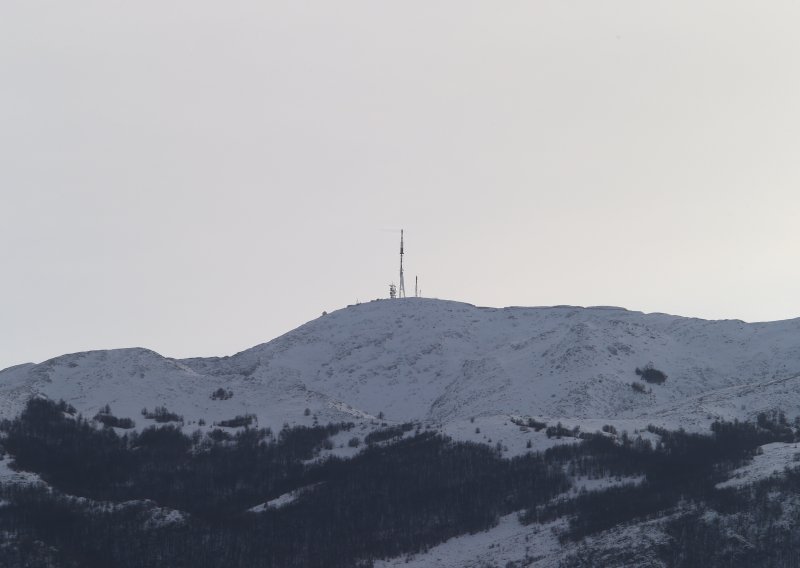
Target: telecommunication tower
401,290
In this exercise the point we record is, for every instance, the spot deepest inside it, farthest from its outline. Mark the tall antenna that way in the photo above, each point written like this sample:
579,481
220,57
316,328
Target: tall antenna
401,290
416,286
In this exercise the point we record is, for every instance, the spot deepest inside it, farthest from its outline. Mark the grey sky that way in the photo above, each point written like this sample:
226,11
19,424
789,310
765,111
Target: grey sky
198,177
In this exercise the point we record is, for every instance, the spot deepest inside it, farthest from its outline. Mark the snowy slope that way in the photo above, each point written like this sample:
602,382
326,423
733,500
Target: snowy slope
446,362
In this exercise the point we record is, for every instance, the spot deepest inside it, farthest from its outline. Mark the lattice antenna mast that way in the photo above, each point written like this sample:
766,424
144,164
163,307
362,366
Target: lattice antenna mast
401,290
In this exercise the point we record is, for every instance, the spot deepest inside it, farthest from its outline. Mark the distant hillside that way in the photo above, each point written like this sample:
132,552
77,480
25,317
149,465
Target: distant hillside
605,438
445,362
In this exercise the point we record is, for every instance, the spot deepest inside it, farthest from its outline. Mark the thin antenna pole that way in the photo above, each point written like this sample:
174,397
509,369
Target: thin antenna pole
416,286
401,291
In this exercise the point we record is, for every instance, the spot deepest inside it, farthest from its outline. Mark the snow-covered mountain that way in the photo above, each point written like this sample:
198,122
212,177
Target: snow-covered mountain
469,373
445,363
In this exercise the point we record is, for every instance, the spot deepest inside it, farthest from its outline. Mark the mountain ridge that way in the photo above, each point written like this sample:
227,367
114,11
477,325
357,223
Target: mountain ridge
441,361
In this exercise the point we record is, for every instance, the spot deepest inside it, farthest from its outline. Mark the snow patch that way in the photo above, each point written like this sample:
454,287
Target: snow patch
508,541
773,459
281,501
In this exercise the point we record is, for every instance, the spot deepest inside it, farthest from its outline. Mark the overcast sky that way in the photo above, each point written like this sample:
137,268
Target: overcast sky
198,177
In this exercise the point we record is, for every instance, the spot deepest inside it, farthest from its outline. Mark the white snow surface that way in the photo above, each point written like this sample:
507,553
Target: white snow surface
12,477
281,500
773,459
509,541
537,546
444,363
